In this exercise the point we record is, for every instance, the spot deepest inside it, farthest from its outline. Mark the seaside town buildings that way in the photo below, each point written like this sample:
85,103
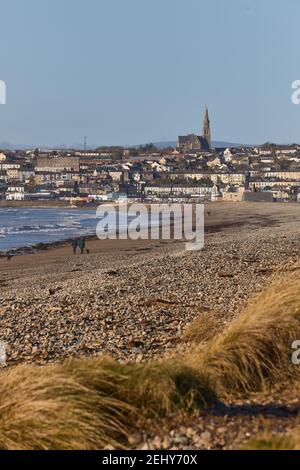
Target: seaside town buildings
236,174
193,170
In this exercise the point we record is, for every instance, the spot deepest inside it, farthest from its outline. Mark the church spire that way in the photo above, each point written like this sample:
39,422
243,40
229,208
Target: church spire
206,128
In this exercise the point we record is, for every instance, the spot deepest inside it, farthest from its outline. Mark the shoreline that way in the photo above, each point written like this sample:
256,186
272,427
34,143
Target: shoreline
42,247
4,204
212,225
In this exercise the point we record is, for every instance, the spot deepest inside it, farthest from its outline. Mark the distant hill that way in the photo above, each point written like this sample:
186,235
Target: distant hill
159,145
216,144
9,146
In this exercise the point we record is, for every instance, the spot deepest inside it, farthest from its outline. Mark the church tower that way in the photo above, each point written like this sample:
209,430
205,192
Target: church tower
206,128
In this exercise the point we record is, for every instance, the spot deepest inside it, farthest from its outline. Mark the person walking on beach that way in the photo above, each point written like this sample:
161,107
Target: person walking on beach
82,245
74,246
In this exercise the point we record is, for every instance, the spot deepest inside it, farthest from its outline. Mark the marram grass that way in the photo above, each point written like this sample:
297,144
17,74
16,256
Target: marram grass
91,403
269,441
255,351
96,402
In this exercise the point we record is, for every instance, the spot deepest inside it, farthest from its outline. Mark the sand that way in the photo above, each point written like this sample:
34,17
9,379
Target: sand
218,217
133,299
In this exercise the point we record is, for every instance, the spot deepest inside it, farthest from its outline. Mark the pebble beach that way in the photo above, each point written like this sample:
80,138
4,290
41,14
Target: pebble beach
133,299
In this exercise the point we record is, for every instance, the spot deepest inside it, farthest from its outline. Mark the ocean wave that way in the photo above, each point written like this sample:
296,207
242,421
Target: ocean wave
12,230
27,227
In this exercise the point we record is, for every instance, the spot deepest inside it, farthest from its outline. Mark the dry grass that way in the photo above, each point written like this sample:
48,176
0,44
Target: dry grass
203,329
269,441
45,408
156,388
255,350
92,403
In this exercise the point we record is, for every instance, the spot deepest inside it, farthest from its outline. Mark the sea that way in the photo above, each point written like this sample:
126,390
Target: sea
30,229
27,228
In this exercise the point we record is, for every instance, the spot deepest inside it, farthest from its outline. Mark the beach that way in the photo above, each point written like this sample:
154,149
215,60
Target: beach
132,299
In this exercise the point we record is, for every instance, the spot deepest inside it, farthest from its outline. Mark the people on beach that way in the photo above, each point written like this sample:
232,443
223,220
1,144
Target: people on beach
82,245
79,244
74,246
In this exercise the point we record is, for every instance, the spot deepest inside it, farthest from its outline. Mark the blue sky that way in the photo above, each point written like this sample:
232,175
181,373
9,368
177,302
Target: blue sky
135,71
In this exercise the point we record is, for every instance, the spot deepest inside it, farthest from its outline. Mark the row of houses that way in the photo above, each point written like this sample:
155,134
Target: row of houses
223,174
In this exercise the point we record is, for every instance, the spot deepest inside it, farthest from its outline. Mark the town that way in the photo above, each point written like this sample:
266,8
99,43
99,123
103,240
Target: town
191,171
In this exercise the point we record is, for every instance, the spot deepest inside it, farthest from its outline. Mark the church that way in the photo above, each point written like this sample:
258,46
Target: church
202,143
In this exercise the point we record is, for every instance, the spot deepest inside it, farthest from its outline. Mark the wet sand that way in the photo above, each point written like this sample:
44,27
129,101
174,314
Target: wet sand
218,217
